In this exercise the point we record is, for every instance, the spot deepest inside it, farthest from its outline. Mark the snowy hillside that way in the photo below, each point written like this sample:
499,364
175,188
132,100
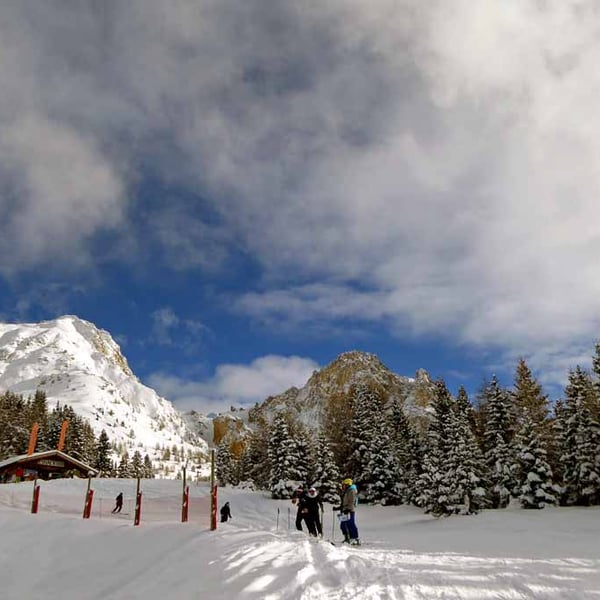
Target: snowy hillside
78,364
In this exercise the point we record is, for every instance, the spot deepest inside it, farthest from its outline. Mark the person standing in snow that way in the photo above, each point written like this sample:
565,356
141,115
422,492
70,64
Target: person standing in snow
225,512
297,498
118,503
348,510
312,509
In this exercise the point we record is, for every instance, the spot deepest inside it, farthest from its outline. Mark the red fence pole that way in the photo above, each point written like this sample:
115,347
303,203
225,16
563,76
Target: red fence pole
138,509
36,499
185,505
213,508
87,511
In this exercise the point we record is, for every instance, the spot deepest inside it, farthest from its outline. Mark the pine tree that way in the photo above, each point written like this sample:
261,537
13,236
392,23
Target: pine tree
326,475
498,452
103,452
406,452
579,441
224,466
137,466
434,485
536,487
124,469
148,468
283,460
14,434
366,408
465,462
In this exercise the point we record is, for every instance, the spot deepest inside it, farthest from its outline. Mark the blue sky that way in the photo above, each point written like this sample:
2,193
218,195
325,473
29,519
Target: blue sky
238,192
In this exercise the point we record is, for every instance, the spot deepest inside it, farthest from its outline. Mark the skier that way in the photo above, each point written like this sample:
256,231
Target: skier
313,505
119,503
297,497
225,512
348,509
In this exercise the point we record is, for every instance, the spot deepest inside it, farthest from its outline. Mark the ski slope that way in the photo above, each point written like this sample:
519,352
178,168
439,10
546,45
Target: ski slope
497,555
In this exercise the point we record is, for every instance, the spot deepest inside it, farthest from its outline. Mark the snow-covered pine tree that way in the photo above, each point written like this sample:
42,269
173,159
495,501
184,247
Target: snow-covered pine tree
137,466
465,462
224,465
103,461
14,434
535,475
382,467
434,485
325,472
254,461
404,452
366,405
38,413
497,439
148,468
575,417
124,469
588,477
283,460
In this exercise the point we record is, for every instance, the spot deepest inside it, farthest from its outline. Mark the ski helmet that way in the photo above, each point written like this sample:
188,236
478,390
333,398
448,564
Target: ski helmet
347,481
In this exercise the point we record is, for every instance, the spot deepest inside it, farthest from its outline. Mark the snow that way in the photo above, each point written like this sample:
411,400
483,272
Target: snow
407,555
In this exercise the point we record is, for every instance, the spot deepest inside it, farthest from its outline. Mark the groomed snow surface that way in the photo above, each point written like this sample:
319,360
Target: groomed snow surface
507,554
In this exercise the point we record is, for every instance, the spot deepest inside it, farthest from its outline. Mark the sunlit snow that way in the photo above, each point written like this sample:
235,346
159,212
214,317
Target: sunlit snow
502,554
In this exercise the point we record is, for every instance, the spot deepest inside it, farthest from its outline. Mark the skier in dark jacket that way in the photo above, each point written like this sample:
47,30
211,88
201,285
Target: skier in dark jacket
297,498
225,512
118,503
312,508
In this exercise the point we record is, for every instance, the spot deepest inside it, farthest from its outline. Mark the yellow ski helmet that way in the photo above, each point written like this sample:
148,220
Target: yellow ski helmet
347,481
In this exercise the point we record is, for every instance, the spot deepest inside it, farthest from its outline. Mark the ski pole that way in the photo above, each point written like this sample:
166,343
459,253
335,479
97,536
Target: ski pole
288,518
332,525
277,526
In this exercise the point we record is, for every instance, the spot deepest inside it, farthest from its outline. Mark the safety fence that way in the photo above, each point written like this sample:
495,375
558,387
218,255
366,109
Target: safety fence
150,501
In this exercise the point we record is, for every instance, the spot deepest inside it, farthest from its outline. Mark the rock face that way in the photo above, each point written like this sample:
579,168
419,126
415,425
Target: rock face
78,364
335,382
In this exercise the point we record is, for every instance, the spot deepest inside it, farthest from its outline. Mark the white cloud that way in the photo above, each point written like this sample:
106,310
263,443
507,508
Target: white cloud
167,327
235,384
434,165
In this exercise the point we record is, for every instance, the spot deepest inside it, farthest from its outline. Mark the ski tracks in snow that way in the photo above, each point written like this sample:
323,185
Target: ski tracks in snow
262,570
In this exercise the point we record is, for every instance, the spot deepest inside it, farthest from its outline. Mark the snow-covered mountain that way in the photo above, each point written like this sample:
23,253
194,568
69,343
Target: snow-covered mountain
77,364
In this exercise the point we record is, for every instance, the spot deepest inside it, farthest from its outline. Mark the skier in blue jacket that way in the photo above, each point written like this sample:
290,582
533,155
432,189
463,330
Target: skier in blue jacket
348,510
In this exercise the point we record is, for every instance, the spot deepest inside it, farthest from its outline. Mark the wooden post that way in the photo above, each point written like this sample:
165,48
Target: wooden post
185,497
213,492
36,497
89,495
138,504
63,435
33,438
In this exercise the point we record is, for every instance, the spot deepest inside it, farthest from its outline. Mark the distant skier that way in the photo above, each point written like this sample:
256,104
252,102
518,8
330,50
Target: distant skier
119,503
312,507
225,512
348,509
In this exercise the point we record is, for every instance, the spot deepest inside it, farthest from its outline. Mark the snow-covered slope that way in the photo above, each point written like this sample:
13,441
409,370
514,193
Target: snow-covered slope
78,364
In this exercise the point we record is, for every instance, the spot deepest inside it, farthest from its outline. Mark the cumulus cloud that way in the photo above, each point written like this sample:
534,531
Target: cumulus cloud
235,384
434,165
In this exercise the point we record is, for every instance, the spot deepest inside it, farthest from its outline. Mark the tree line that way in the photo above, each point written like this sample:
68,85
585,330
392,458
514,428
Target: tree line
18,414
459,457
